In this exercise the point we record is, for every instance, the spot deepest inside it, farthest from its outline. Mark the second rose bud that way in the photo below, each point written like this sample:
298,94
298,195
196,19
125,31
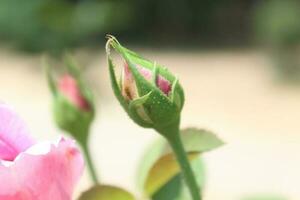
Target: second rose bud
73,105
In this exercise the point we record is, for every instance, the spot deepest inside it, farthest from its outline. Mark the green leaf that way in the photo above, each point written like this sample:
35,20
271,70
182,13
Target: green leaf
163,171
105,192
198,140
153,153
199,171
159,171
175,188
171,190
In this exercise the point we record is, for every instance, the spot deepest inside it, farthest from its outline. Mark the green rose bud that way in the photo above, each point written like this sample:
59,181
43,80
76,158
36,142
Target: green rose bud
73,103
150,94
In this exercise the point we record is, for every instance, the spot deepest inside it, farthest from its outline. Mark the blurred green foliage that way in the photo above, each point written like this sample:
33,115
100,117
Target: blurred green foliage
54,25
277,22
277,26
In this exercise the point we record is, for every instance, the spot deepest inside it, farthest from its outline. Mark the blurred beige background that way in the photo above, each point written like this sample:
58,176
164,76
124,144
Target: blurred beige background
232,93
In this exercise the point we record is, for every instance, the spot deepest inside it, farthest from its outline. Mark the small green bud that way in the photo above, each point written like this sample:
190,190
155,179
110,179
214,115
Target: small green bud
73,103
149,93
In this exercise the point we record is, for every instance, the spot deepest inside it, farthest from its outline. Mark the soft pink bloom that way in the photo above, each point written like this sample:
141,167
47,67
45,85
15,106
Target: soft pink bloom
129,90
35,171
68,86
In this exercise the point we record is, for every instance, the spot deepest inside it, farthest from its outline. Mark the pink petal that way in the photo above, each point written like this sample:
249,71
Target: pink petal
129,90
14,134
44,172
163,84
68,86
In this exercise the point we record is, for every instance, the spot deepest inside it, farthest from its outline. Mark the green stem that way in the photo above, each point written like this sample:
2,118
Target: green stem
178,149
90,163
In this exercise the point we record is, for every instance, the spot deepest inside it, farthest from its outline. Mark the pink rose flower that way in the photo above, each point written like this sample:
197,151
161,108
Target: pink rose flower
35,171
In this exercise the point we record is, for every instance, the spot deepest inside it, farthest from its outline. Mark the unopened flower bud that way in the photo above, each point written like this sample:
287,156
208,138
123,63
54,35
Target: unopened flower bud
73,103
151,95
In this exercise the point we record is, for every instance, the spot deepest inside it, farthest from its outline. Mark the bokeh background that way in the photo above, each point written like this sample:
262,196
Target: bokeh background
237,60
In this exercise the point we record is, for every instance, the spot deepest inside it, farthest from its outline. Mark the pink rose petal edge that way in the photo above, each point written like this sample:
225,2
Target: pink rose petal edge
45,171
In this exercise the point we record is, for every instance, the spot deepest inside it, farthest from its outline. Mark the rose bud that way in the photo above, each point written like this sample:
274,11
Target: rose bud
150,94
73,103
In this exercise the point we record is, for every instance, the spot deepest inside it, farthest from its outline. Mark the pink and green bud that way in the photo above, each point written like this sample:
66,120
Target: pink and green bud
73,103
151,95
129,87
